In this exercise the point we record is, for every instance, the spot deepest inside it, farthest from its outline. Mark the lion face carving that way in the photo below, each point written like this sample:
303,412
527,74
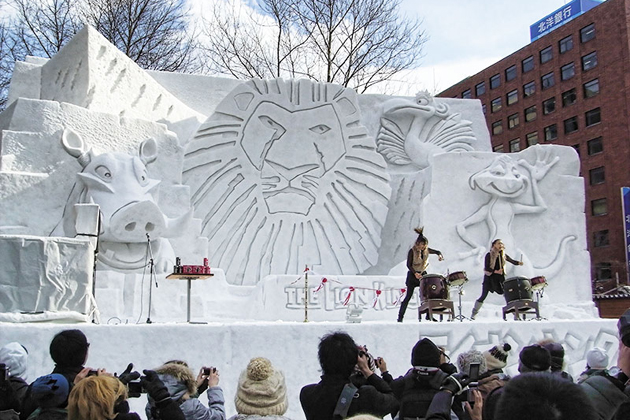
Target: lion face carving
315,139
283,175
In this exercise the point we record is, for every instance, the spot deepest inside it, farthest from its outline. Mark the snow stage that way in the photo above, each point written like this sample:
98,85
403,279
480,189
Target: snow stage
265,178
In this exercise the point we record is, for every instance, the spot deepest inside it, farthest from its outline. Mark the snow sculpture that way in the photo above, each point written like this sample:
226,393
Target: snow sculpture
506,185
522,199
411,133
283,175
130,216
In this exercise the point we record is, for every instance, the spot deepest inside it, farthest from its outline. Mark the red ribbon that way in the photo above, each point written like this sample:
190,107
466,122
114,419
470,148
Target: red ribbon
378,294
345,302
321,285
399,298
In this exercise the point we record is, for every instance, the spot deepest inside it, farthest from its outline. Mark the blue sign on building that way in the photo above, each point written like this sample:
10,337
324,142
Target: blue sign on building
625,208
561,16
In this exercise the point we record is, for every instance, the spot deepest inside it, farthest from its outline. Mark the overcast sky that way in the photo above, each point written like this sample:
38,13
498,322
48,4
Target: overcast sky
466,36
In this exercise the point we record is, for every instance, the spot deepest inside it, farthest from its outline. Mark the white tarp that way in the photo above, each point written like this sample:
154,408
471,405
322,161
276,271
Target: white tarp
42,274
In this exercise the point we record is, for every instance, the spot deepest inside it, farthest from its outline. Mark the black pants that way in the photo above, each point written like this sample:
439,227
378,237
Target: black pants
491,284
411,282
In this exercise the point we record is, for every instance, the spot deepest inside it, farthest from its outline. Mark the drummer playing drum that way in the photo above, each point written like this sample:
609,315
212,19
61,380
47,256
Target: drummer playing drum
494,273
417,261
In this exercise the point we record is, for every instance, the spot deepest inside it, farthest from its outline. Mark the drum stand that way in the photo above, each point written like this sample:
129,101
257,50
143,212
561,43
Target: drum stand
539,294
460,292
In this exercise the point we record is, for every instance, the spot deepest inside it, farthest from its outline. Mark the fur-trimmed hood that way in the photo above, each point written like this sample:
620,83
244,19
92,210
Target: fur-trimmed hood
178,379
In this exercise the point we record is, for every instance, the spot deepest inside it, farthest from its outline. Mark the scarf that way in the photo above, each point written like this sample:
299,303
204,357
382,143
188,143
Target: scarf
420,259
493,258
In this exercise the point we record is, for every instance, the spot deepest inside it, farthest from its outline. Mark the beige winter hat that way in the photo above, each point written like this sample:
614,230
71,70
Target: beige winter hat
261,390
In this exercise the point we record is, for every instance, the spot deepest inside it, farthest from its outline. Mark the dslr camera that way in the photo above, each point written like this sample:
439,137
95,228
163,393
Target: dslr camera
208,371
135,389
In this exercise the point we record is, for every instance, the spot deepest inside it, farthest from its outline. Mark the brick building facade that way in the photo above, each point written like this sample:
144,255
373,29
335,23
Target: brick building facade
571,87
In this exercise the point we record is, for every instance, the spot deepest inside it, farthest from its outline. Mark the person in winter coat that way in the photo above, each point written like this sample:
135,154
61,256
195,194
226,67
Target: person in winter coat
416,388
596,364
50,392
181,384
261,392
493,376
556,350
14,357
69,351
338,355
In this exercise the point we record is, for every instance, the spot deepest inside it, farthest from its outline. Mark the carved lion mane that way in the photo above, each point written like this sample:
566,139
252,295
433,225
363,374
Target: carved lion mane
283,175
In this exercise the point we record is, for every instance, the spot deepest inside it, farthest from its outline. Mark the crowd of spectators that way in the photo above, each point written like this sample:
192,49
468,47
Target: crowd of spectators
354,385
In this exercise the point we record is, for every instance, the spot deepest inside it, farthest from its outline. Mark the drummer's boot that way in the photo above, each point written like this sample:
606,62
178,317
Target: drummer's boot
476,309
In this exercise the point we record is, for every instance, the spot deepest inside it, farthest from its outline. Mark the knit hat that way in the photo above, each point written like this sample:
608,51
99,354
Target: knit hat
425,353
69,348
597,358
556,351
496,357
464,360
14,356
261,390
535,358
50,391
623,325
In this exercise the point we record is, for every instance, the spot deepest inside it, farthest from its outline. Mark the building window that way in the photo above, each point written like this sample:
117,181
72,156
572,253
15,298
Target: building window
546,55
549,105
589,61
510,73
515,145
593,117
577,148
498,148
569,97
530,113
595,146
532,138
570,125
495,104
513,121
551,132
600,238
528,64
567,71
603,271
512,97
495,81
483,109
547,81
466,94
591,88
599,207
565,44
587,33
480,88
597,175
497,127
529,89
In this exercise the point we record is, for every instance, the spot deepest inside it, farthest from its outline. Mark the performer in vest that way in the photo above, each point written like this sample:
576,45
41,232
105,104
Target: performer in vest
494,273
417,262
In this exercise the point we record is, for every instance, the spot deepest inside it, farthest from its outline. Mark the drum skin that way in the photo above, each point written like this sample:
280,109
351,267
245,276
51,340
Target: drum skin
538,283
433,286
517,288
457,278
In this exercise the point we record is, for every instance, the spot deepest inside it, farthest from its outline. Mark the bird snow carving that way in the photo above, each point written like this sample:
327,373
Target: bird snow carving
412,132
